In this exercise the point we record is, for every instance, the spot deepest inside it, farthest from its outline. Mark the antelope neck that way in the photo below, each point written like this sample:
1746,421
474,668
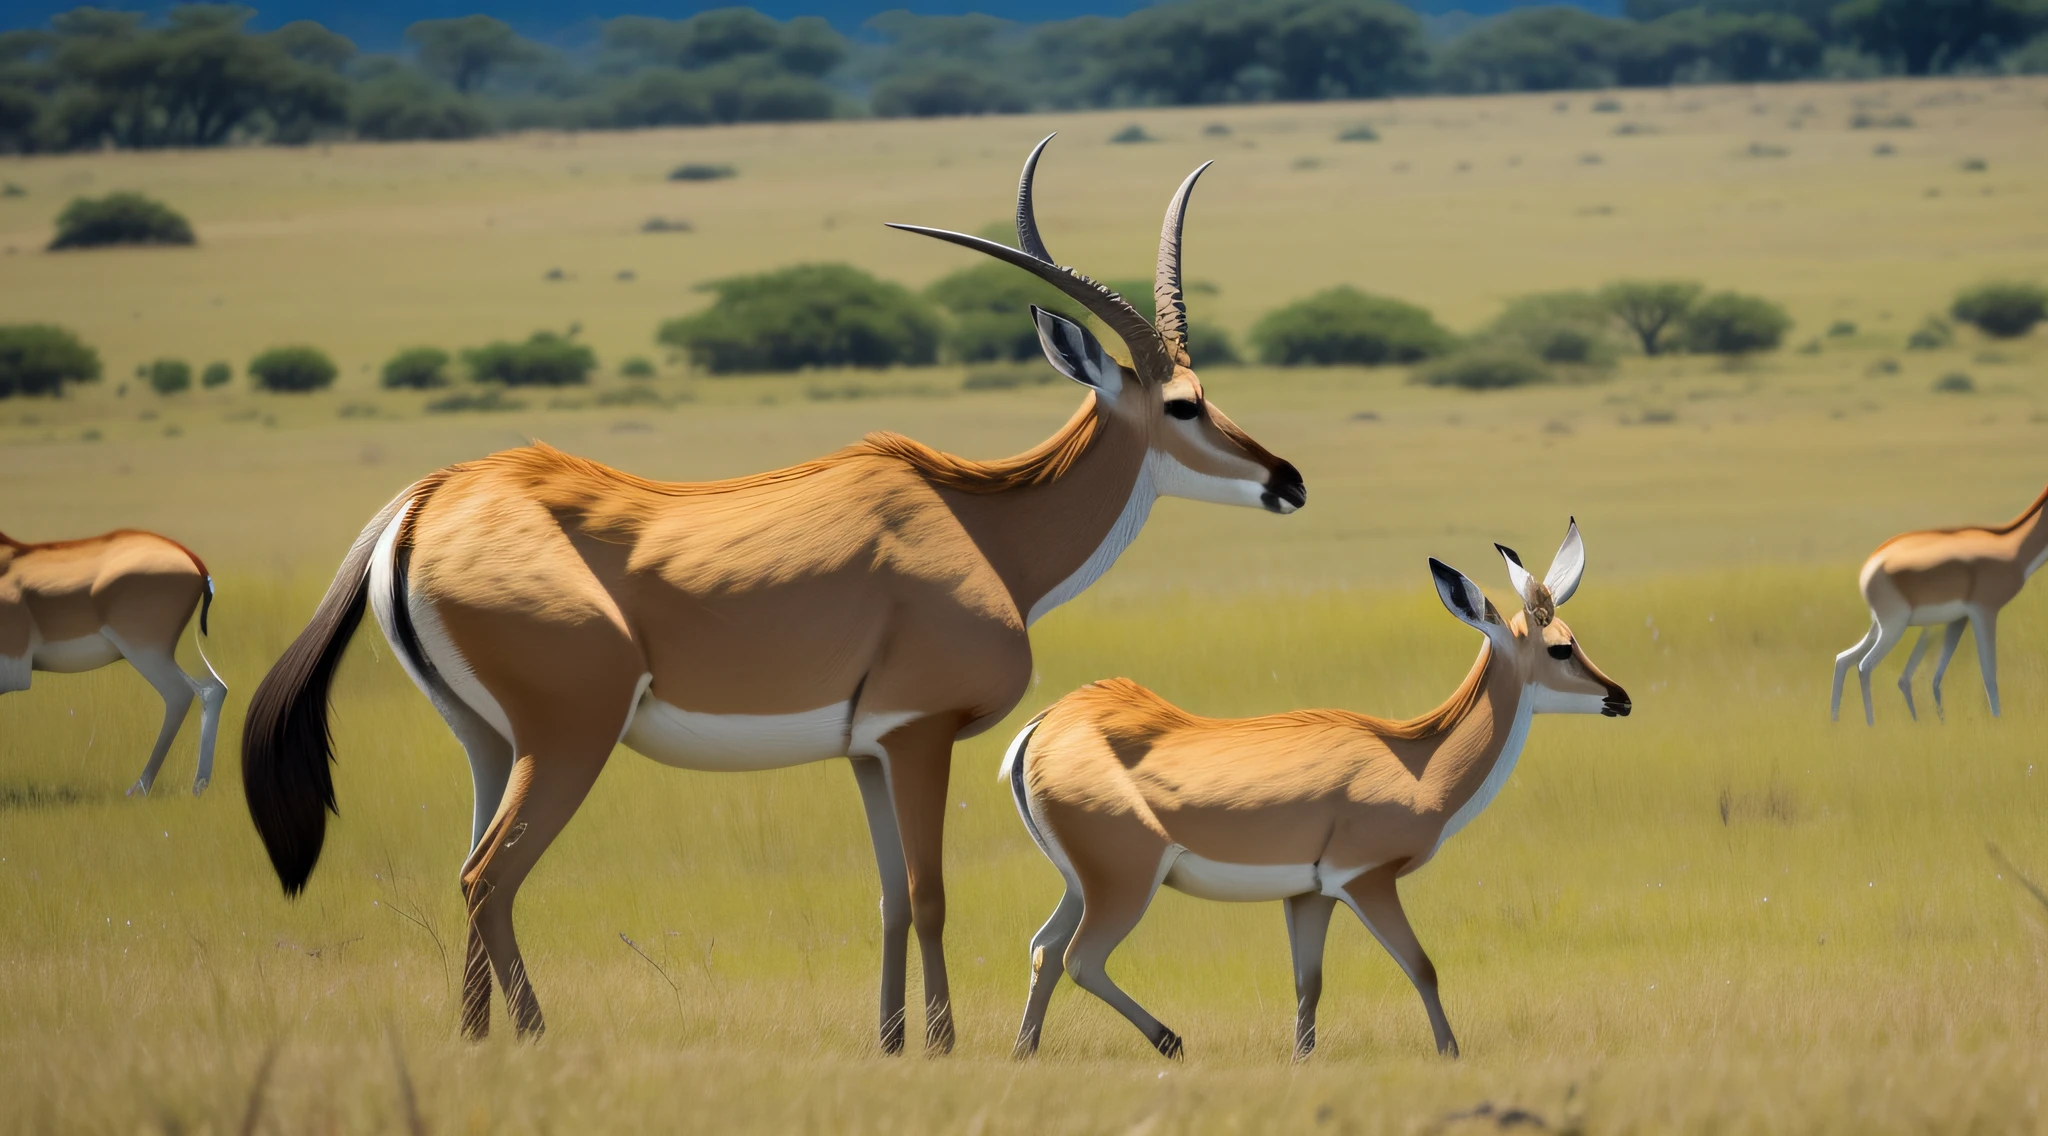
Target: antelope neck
1049,540
1464,765
2031,530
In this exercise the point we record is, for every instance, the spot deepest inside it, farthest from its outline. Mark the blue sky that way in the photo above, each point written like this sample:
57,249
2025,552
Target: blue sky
378,24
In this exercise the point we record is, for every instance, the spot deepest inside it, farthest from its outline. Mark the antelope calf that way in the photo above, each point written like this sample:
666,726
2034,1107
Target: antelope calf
77,605
1951,578
1124,792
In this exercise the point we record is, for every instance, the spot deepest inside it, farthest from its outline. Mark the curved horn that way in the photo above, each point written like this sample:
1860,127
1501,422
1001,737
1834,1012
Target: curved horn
1167,296
1148,353
1027,221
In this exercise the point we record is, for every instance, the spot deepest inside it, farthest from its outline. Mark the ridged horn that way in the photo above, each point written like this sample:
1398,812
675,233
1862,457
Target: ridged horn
1027,220
1149,354
1168,298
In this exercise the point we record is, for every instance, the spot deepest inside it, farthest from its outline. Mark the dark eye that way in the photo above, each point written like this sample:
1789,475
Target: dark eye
1184,408
1560,651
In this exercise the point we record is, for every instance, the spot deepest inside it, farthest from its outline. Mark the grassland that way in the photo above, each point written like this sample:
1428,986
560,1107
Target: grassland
1722,914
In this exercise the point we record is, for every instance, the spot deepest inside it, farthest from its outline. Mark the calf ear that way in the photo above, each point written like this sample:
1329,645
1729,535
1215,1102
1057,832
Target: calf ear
1568,567
1525,584
1075,353
1469,604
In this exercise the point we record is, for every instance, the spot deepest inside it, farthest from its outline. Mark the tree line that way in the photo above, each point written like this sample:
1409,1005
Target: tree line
200,76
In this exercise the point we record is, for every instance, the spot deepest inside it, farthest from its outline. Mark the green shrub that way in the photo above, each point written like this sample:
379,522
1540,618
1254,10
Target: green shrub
416,368
702,171
1955,382
169,376
489,398
1485,368
2004,309
1569,328
1730,323
1360,133
544,360
39,358
1345,325
1933,334
292,370
945,89
637,367
1131,134
1867,120
991,309
1649,308
1208,345
216,374
1211,346
119,219
1841,328
807,315
1606,106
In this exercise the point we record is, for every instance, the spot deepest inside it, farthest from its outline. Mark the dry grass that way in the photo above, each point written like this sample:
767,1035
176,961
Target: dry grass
1722,914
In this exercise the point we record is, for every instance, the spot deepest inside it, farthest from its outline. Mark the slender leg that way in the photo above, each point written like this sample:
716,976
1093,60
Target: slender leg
1048,949
920,762
874,798
1378,905
546,787
1308,928
1843,662
1984,625
1949,640
176,690
1888,636
1919,651
213,694
1114,898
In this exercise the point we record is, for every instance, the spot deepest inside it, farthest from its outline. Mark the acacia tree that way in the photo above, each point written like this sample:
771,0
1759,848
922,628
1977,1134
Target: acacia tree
467,51
1650,307
1924,34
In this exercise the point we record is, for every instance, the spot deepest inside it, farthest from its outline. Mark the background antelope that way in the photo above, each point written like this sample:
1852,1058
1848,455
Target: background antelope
1123,791
1952,578
874,603
76,605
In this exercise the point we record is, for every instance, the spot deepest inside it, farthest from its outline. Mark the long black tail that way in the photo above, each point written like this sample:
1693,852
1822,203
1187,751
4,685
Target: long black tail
286,747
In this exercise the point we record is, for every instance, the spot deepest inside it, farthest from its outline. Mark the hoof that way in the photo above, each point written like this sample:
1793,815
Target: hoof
139,789
199,787
1169,1045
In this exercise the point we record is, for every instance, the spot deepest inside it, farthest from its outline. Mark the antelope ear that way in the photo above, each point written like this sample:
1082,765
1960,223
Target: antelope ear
1525,584
1567,567
1075,353
1464,598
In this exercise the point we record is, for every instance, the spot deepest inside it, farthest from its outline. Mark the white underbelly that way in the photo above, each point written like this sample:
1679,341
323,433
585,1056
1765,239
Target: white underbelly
1936,614
70,656
1204,878
737,743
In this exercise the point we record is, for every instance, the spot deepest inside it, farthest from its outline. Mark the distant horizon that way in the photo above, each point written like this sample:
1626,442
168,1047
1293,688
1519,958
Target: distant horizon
379,25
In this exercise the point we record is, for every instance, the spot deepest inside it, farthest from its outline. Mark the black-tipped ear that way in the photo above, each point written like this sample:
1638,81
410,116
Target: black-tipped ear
1076,353
1459,594
1512,556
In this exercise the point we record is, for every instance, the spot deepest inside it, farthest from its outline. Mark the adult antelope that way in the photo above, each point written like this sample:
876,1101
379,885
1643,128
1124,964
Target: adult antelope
873,603
1123,791
1955,578
77,605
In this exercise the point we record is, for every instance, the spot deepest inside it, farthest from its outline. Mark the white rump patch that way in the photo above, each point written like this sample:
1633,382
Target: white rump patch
440,650
73,656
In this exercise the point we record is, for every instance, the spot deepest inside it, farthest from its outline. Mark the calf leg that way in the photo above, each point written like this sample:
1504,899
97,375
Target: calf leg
1984,625
1308,928
920,759
1378,905
1913,664
1950,639
1843,662
1048,951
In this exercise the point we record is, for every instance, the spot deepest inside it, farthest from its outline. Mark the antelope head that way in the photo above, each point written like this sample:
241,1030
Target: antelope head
1555,669
1192,449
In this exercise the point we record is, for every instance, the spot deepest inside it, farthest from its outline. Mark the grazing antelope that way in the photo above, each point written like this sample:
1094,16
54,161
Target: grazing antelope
1942,577
76,605
1124,792
874,603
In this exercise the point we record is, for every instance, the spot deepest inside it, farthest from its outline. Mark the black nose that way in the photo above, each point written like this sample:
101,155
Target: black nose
1285,485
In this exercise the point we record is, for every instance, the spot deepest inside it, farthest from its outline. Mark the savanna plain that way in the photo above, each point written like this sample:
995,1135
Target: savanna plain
1722,914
